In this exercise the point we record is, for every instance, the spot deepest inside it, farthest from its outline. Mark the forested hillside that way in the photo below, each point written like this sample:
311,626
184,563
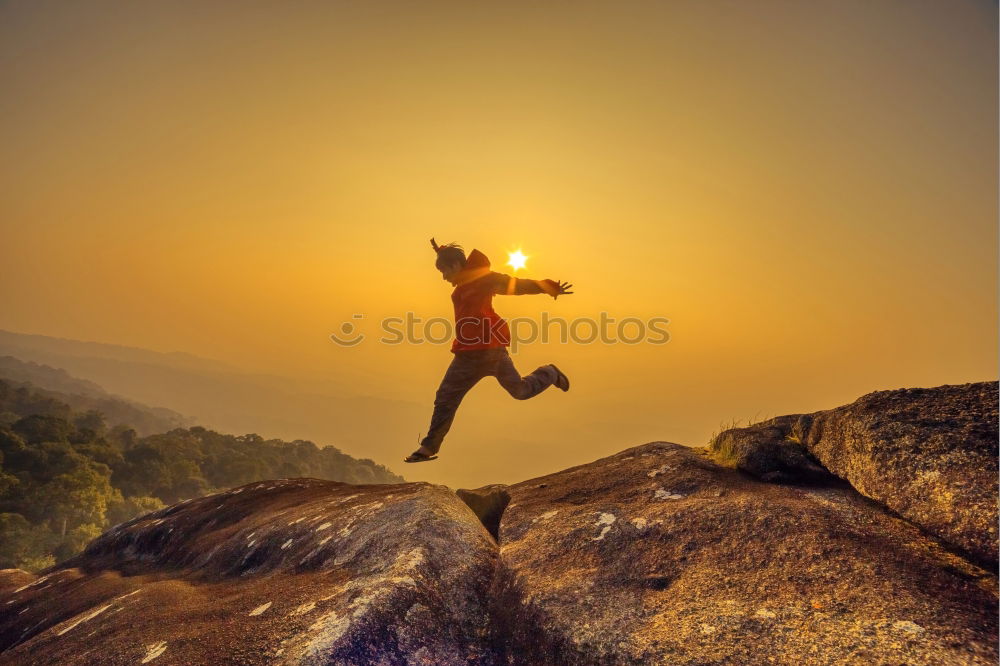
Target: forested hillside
361,421
83,395
65,476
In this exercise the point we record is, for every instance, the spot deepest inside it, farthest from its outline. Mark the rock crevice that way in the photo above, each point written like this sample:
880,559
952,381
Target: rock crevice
488,503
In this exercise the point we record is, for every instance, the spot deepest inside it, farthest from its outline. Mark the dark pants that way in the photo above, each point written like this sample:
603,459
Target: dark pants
467,368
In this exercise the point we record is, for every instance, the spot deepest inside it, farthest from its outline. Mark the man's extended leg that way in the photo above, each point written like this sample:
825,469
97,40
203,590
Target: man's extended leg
520,387
465,370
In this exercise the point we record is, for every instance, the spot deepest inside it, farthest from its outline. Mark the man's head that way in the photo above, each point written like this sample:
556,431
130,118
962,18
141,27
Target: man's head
450,260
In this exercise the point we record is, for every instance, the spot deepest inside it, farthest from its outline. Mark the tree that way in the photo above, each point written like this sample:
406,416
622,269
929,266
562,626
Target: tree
90,424
7,481
130,507
79,496
145,471
76,540
40,428
23,545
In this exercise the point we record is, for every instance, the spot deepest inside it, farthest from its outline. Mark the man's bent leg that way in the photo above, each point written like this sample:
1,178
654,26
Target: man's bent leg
463,373
520,387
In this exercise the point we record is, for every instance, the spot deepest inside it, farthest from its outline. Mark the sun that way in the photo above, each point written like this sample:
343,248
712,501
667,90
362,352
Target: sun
516,259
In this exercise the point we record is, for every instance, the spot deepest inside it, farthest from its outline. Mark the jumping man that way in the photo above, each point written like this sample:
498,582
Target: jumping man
481,339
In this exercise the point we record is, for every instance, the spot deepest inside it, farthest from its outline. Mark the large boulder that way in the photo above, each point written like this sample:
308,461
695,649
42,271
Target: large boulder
298,571
929,454
658,555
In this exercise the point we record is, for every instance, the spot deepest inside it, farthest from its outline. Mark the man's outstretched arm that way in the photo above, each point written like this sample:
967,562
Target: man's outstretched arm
507,284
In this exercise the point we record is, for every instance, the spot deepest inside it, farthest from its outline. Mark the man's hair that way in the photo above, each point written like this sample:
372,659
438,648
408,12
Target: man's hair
450,253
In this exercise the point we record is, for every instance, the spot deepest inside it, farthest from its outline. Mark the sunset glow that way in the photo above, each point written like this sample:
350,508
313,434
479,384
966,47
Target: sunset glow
797,187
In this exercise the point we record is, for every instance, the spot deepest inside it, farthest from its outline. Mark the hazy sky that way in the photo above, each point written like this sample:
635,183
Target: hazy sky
807,190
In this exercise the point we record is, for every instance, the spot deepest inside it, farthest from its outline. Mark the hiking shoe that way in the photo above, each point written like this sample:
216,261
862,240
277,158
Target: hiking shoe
561,381
417,456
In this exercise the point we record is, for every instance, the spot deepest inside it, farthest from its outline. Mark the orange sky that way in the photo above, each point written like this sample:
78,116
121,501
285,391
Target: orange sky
808,191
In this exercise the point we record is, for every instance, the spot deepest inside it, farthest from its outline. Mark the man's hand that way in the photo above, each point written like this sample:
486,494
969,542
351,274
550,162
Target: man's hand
509,285
563,289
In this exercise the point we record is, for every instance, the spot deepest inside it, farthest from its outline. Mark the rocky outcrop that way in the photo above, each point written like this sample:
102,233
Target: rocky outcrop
929,454
659,555
297,571
771,451
656,555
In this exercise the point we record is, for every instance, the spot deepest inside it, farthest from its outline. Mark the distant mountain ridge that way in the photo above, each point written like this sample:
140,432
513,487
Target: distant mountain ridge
84,395
31,345
47,377
219,396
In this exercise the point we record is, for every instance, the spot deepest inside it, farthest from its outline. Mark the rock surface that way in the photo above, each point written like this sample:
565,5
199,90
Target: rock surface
929,454
297,571
659,555
656,555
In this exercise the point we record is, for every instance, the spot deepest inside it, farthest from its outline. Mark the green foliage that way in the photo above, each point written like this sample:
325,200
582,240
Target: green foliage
23,545
36,564
128,508
77,497
75,540
65,477
37,428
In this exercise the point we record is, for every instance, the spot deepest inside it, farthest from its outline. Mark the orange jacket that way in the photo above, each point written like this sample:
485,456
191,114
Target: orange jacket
477,325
